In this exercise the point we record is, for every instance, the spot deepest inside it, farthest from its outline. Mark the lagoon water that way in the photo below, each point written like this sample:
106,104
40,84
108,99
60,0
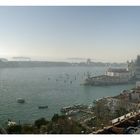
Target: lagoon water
53,86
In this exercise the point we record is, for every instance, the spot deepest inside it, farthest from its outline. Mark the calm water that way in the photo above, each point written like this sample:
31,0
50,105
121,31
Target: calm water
47,86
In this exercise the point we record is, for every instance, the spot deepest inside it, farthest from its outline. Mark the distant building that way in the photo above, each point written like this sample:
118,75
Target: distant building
123,73
88,61
22,58
137,67
134,68
138,84
131,66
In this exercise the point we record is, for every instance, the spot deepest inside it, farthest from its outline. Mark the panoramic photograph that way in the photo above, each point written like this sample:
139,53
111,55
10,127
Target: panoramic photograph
69,70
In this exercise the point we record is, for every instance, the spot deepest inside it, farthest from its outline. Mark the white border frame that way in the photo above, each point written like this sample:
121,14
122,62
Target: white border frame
70,2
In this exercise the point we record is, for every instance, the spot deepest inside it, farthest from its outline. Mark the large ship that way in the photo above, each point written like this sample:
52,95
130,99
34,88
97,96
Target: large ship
112,76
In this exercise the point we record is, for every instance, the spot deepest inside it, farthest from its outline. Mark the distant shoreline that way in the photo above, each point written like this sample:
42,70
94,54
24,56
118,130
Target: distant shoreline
15,64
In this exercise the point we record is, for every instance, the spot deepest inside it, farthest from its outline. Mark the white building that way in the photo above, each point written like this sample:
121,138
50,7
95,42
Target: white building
122,73
138,84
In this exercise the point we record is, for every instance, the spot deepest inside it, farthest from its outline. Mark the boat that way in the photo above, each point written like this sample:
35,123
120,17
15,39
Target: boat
20,100
65,109
73,108
42,107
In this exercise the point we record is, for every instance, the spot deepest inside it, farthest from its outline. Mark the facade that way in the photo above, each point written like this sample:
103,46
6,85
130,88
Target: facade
88,61
134,68
122,73
137,67
138,84
131,69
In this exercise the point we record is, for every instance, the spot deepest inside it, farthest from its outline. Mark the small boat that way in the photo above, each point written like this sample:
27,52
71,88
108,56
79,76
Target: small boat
20,100
42,107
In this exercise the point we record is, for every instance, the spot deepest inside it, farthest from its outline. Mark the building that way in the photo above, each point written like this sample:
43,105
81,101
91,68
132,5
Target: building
88,61
22,58
111,77
122,73
138,84
137,67
131,66
132,95
134,68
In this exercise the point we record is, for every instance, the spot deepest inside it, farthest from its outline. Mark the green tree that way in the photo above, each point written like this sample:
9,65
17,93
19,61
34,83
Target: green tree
55,117
40,122
14,129
120,111
28,129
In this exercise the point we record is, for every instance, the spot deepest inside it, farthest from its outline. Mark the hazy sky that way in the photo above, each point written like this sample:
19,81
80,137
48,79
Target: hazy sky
101,33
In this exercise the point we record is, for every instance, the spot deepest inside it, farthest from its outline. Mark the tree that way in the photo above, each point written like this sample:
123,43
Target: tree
102,112
28,129
14,129
55,117
40,122
120,111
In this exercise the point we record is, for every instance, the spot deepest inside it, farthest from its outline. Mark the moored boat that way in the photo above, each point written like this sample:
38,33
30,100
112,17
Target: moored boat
20,100
42,107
